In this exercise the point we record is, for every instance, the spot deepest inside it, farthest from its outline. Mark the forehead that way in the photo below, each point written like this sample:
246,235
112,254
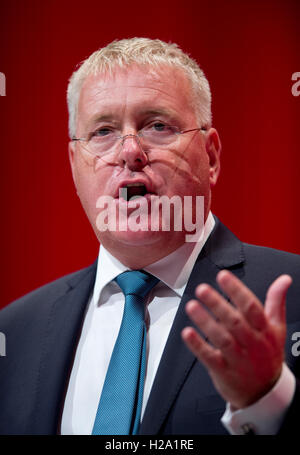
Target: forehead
136,88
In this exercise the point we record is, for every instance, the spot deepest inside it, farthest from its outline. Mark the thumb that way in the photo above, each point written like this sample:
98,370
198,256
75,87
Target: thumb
275,301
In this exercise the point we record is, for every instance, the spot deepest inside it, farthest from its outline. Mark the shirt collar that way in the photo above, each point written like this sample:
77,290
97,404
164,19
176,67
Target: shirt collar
174,269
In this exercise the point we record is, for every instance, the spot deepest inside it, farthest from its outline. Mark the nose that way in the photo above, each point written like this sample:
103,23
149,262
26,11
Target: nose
132,154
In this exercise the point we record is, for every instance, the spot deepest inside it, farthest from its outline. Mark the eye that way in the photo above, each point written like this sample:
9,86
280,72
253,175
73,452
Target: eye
159,126
102,132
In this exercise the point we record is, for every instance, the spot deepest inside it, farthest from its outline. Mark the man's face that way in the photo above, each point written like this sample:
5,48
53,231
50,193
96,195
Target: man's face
131,99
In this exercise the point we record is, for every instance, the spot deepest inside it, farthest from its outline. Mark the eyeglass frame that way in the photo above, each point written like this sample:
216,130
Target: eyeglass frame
137,136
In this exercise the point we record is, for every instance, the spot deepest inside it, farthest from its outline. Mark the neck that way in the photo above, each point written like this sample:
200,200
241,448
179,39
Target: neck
139,256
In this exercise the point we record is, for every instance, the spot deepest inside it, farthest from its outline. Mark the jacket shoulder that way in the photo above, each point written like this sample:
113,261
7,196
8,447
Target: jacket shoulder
45,294
272,259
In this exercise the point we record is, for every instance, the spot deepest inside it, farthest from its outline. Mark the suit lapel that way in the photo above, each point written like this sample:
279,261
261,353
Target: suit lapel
65,318
222,250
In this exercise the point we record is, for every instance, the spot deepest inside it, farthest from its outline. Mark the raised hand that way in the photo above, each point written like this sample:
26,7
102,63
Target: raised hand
245,351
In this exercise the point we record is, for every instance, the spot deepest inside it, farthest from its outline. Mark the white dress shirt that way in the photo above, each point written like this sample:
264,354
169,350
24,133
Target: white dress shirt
100,330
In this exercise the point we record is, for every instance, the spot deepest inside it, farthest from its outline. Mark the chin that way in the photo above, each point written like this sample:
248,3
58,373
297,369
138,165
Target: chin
151,241
138,238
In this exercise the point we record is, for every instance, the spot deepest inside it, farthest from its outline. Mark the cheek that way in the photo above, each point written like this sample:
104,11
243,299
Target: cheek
199,164
88,173
198,157
193,172
87,193
202,169
195,159
89,186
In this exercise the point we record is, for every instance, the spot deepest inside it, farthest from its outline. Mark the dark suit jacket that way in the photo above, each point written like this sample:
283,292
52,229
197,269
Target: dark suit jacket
42,330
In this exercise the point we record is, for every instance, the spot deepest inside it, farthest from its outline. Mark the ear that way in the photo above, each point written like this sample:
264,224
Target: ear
213,149
71,150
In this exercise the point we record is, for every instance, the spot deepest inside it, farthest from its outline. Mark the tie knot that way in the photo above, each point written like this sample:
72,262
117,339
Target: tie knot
137,282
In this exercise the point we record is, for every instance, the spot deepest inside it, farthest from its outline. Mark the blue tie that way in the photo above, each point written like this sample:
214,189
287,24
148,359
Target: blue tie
120,403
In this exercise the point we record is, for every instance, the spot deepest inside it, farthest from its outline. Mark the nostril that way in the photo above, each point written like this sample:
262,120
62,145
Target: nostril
133,159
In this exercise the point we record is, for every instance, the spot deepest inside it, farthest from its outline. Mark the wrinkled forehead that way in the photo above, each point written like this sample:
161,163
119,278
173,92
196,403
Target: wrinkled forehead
164,84
144,73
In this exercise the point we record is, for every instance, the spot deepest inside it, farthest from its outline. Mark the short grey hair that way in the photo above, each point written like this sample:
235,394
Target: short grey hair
141,51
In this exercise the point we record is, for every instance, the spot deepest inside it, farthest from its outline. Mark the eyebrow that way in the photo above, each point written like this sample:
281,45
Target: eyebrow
100,118
144,112
158,111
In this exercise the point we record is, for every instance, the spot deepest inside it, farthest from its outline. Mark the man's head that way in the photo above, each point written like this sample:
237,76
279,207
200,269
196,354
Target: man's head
150,92
140,51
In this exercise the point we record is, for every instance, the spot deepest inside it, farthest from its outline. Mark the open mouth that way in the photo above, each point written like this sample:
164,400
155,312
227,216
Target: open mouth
133,191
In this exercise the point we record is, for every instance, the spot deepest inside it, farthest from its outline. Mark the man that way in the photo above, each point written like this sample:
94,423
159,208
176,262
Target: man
140,129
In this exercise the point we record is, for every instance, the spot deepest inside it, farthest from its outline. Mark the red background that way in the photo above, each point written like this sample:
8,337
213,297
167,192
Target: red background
248,50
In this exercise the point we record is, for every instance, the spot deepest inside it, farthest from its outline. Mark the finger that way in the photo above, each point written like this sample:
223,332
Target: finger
243,298
276,297
209,356
225,313
216,333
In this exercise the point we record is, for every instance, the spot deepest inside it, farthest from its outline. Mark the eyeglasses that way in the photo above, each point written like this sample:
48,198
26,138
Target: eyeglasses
102,141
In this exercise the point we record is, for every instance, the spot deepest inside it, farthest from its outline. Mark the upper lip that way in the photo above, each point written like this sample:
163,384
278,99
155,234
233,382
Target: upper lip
124,183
